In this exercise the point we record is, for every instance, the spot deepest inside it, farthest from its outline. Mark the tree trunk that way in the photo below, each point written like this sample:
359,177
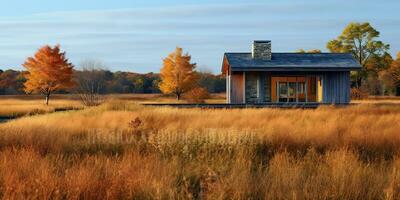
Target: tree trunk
47,98
358,80
178,96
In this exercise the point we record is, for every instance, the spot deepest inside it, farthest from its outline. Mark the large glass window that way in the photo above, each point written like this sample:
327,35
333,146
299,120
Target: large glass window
301,91
292,91
282,88
298,89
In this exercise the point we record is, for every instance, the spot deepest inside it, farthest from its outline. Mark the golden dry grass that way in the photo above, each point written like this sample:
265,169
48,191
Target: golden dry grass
15,106
121,150
19,105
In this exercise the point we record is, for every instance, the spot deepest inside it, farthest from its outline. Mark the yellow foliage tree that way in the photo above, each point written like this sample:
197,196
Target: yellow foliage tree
178,75
48,71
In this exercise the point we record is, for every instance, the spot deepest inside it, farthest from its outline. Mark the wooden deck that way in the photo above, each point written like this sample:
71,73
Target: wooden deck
226,106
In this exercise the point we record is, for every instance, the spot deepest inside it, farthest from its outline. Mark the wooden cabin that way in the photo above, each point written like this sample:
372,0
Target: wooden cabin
261,77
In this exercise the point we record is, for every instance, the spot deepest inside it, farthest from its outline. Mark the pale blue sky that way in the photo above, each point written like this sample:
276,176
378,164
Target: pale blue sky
135,35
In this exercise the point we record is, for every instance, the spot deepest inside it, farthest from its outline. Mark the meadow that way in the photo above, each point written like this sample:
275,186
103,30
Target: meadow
123,150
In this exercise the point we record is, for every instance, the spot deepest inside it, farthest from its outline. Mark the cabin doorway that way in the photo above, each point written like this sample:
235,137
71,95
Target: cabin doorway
297,89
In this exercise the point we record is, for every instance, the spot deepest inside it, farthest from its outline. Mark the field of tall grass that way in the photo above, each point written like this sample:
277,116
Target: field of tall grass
122,150
13,106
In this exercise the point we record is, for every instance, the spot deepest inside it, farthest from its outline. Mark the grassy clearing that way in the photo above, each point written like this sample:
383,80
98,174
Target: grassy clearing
17,108
12,106
122,150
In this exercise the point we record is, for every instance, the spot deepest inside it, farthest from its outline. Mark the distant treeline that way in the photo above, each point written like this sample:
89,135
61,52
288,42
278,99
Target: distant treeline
12,82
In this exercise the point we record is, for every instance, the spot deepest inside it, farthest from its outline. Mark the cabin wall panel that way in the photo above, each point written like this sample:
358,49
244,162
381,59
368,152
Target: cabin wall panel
261,87
236,88
252,87
336,89
267,87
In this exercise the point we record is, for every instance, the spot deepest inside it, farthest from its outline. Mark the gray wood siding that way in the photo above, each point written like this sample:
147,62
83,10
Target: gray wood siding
336,87
261,88
265,88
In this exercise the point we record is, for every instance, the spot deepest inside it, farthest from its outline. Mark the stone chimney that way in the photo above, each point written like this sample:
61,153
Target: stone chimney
261,49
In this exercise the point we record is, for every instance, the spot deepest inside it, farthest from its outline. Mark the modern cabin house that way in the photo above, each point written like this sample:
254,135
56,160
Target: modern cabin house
263,77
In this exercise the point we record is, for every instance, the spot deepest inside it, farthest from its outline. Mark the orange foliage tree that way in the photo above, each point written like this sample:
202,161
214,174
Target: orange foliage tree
178,75
48,71
395,73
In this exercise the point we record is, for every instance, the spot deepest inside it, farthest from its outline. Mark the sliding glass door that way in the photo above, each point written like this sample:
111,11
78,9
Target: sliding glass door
292,91
297,89
282,91
287,91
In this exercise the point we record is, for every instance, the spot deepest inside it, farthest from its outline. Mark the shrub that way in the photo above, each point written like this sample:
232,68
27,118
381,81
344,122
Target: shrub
357,93
197,95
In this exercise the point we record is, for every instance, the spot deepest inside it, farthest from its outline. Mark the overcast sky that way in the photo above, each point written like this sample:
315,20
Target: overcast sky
134,36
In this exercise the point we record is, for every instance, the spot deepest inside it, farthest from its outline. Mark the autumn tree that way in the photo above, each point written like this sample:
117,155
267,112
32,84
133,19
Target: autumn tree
377,71
11,82
360,40
48,71
394,71
139,85
178,75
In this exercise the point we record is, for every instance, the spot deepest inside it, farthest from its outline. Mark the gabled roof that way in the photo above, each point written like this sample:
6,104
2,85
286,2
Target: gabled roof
292,62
